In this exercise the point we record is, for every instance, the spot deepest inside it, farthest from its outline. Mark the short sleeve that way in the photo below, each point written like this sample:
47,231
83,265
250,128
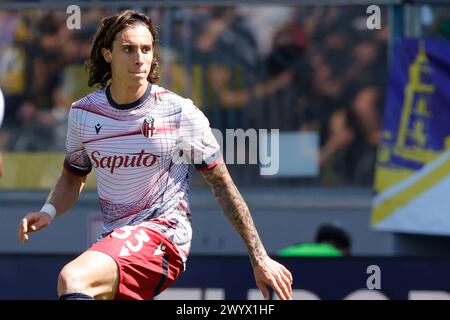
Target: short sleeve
76,160
197,142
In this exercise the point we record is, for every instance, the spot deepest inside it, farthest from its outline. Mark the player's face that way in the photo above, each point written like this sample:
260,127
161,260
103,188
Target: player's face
132,55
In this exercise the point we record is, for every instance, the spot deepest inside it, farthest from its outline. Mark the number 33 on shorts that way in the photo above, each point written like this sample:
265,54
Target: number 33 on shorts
148,262
136,239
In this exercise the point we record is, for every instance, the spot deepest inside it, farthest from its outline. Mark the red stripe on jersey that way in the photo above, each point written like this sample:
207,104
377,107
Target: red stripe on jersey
159,93
132,133
211,166
90,110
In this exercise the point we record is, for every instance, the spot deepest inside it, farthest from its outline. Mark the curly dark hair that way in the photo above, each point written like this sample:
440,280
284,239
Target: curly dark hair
99,70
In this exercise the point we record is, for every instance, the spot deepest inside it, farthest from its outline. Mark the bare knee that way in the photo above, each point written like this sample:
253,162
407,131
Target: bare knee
92,273
73,279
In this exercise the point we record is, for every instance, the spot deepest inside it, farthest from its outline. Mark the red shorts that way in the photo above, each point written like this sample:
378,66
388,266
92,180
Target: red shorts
148,262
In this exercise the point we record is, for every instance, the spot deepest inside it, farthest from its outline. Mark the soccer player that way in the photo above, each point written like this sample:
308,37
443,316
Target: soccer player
140,139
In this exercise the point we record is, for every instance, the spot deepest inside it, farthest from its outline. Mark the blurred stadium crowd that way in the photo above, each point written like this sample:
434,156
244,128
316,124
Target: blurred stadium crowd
293,68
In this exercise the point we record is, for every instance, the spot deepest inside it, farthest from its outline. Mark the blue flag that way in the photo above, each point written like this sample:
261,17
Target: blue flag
413,169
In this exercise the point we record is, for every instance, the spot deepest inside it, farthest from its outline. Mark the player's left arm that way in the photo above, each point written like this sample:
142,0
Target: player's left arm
266,270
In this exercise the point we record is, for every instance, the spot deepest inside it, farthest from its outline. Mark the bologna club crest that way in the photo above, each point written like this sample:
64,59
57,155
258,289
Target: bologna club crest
148,127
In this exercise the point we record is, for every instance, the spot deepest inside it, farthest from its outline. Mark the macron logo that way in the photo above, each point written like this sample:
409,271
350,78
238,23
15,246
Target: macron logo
98,126
160,249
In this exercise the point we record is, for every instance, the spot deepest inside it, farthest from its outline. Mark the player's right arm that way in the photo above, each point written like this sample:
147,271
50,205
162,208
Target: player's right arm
69,185
62,197
77,166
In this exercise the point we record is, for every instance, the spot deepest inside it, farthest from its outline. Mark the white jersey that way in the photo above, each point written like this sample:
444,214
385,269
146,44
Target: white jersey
141,154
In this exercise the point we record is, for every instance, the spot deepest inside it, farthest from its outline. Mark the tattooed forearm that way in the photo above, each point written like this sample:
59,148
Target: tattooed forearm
236,210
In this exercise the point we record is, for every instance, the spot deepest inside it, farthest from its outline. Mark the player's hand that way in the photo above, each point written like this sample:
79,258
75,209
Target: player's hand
269,272
32,222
